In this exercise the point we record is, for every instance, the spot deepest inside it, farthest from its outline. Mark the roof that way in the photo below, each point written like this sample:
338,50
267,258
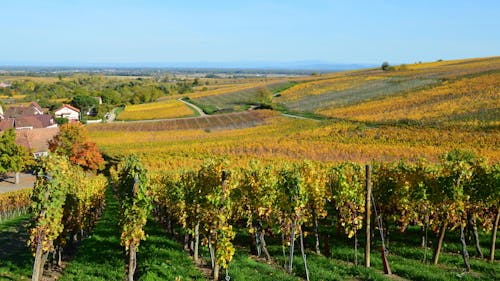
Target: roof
36,105
36,140
17,111
6,124
68,106
35,121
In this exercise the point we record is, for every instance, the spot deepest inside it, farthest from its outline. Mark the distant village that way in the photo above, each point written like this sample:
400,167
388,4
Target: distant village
34,125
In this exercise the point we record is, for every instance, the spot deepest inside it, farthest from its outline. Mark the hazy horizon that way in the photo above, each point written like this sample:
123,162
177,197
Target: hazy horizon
257,33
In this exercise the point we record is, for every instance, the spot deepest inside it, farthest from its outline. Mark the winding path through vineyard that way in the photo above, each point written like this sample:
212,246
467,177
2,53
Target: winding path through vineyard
195,107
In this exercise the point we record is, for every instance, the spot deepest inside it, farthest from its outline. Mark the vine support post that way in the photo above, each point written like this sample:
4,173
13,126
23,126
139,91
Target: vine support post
304,258
439,244
292,242
494,236
36,265
368,214
132,261
196,241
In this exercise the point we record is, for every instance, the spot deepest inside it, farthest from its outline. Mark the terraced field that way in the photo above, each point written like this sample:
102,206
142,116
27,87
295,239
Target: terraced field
215,122
365,91
337,91
468,101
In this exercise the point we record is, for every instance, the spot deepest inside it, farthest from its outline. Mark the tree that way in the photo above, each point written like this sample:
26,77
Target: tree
110,96
72,141
264,97
87,155
85,103
385,66
13,158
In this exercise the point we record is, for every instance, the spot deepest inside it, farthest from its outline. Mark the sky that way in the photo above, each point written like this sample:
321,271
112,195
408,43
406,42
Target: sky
92,32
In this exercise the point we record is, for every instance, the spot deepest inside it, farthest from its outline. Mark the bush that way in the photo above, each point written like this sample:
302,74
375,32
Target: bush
385,66
61,120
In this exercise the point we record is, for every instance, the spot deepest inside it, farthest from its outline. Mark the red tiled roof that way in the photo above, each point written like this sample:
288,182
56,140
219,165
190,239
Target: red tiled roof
6,124
35,121
36,140
37,106
17,111
69,106
28,121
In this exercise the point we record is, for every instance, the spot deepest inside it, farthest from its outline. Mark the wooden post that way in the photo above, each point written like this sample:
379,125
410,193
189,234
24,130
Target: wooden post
494,236
368,210
385,262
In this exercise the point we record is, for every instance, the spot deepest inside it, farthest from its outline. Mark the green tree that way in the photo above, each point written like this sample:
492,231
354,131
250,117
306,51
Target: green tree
84,102
385,66
13,157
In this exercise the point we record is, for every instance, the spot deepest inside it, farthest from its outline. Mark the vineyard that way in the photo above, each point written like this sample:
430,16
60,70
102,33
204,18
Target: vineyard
158,110
214,122
463,101
305,220
240,99
371,172
362,88
14,203
284,139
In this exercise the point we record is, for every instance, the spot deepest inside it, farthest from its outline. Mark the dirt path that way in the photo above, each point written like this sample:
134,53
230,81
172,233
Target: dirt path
9,183
200,111
298,117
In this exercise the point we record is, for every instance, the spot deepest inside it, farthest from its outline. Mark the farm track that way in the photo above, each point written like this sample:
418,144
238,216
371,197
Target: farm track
199,110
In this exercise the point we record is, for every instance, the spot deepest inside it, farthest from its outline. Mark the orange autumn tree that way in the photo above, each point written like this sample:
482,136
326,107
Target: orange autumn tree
73,141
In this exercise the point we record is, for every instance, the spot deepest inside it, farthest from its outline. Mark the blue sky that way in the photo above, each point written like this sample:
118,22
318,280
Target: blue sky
147,31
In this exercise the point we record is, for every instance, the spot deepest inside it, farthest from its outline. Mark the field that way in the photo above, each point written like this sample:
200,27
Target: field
241,99
207,123
404,82
157,110
430,131
463,101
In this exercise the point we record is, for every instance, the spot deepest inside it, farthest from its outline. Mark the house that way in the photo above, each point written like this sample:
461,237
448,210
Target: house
4,85
36,140
34,122
6,123
69,112
17,111
26,117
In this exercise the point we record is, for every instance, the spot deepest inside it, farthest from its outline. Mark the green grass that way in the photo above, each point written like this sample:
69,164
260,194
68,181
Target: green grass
208,109
100,257
16,261
320,267
161,258
244,267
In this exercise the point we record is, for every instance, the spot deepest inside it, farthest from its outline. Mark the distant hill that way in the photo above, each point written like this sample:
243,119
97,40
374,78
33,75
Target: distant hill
459,92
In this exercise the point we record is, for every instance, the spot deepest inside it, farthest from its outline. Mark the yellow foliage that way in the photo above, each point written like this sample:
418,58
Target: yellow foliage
156,110
452,102
337,83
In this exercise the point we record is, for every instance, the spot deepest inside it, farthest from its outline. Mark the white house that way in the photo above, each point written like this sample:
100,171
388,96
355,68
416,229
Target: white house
69,112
